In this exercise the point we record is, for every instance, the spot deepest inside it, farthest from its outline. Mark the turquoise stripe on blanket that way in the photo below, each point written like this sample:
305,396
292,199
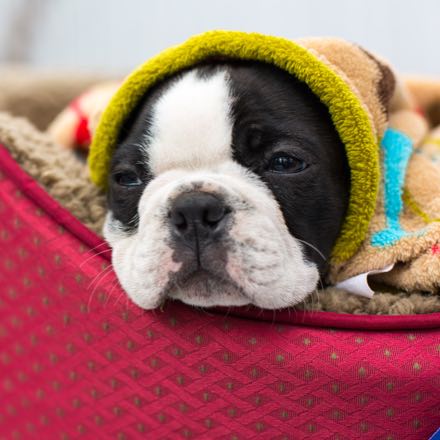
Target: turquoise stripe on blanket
397,149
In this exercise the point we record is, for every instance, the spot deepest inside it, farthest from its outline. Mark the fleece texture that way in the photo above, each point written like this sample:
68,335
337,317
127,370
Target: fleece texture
394,205
358,127
65,178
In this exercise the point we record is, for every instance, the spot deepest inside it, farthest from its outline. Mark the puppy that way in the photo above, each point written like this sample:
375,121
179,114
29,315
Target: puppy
228,186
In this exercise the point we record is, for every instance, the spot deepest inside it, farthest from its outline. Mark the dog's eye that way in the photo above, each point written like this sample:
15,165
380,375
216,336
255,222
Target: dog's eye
127,178
283,163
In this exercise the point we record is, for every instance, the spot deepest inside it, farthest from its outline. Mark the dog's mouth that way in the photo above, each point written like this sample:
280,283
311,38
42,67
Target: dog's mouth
205,288
202,278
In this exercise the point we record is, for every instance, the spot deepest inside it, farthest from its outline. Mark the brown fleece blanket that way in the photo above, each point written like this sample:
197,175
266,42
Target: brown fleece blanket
38,97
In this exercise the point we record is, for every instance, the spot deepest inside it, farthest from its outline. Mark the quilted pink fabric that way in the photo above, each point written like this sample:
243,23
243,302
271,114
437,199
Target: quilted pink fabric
78,360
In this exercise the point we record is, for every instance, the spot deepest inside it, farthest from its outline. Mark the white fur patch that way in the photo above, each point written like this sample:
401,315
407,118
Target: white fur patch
191,125
189,145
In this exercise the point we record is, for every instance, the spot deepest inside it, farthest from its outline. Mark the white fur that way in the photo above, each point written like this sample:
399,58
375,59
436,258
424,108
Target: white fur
190,143
192,127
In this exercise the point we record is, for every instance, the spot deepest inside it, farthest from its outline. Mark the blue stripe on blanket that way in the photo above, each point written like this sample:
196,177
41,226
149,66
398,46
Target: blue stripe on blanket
397,148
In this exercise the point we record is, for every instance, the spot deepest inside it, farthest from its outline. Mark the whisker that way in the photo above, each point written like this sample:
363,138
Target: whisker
89,302
134,220
115,283
93,256
311,305
96,277
103,274
96,247
312,247
118,298
315,295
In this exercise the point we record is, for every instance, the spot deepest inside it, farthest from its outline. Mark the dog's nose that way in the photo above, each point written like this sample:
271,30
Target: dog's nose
198,215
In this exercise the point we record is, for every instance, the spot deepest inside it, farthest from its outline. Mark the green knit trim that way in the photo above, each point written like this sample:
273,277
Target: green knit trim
350,118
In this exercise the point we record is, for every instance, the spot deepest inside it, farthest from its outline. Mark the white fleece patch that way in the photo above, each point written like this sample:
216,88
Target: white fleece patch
189,148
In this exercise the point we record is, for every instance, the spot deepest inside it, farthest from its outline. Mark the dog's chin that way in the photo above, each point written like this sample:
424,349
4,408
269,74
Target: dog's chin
204,289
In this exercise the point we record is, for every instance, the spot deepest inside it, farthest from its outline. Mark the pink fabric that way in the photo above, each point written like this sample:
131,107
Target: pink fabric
78,360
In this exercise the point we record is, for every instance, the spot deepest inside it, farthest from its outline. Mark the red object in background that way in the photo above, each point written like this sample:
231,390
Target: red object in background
82,132
78,360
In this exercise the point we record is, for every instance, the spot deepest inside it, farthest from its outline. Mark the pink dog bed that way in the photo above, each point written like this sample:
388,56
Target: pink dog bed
78,360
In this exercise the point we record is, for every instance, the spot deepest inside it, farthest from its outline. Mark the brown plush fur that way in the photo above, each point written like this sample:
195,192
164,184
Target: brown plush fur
58,170
65,178
40,95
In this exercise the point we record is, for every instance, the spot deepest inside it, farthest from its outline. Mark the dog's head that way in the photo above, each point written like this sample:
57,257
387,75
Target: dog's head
228,186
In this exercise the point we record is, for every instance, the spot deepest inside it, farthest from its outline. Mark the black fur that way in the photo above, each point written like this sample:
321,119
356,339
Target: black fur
273,113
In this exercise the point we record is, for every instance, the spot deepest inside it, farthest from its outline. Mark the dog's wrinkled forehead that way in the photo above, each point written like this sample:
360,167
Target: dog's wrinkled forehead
191,124
206,115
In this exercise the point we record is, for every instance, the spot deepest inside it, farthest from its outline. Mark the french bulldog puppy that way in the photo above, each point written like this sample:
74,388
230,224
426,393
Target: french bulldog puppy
228,186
